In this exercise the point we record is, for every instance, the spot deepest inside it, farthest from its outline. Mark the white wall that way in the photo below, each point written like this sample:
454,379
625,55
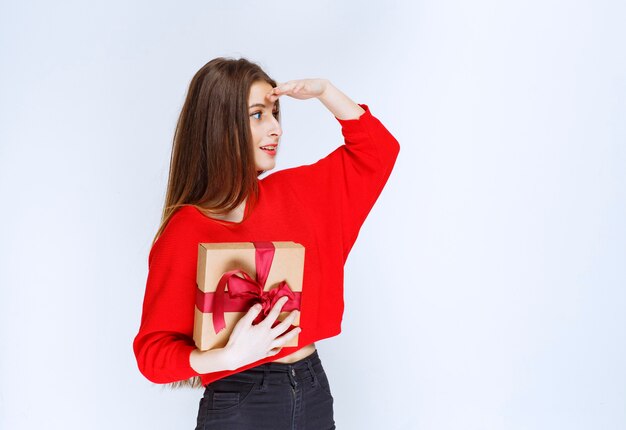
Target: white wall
497,248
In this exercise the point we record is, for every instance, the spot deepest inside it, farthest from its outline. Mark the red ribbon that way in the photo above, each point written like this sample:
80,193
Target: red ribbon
245,292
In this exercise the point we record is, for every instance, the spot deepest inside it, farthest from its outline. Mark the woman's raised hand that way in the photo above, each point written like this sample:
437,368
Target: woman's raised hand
249,343
339,104
301,89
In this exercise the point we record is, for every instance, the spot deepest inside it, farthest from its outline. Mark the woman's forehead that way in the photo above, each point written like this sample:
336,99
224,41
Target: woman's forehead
259,91
258,96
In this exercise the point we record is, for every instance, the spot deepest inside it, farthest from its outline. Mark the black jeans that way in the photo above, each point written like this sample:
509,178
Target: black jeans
276,396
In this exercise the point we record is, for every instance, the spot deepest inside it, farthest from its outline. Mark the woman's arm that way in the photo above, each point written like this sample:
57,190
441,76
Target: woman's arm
213,360
340,189
337,102
340,104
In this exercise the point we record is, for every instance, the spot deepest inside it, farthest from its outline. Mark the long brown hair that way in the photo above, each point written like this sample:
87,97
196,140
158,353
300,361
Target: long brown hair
212,163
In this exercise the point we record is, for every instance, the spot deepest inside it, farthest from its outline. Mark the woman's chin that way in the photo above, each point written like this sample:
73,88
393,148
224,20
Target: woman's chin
265,167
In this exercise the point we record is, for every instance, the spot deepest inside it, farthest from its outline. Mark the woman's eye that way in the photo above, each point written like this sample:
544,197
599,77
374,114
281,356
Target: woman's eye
275,113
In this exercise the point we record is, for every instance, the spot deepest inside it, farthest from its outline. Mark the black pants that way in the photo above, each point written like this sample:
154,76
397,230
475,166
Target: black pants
276,396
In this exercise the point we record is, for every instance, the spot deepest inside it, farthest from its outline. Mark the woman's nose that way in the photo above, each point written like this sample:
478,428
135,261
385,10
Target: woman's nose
277,129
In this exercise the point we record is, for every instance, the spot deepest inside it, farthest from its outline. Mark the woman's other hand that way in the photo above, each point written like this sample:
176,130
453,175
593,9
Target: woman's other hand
249,343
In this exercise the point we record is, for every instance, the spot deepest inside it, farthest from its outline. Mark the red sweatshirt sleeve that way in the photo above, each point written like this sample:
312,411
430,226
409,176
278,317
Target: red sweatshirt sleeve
343,186
165,339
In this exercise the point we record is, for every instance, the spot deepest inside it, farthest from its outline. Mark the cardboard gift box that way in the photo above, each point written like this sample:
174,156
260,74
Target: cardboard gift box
234,276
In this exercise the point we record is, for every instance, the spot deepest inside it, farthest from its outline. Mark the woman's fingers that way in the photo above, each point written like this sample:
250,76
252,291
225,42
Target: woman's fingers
286,323
244,323
301,89
280,341
249,317
247,343
286,87
279,88
273,315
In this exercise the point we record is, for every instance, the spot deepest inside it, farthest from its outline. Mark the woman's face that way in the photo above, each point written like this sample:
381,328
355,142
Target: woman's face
264,126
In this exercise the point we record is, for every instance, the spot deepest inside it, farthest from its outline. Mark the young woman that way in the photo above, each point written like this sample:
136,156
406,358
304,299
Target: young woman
228,133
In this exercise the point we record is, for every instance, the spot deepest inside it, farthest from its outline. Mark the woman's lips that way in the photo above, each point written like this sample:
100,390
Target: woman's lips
270,149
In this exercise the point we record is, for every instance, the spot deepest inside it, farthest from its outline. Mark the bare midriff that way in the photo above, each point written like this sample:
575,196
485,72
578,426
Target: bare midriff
298,355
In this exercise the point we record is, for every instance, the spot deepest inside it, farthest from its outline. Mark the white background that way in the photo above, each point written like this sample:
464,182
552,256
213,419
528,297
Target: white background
495,253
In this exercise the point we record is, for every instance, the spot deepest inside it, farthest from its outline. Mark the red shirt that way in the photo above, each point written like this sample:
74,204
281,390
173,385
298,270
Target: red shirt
321,206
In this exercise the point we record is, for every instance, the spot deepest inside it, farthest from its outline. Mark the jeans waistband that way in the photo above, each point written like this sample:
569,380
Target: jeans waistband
305,369
273,366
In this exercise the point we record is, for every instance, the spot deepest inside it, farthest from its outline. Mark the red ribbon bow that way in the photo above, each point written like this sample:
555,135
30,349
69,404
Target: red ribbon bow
245,292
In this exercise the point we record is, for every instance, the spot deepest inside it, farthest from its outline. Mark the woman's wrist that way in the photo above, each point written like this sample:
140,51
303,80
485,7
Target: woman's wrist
212,360
339,104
